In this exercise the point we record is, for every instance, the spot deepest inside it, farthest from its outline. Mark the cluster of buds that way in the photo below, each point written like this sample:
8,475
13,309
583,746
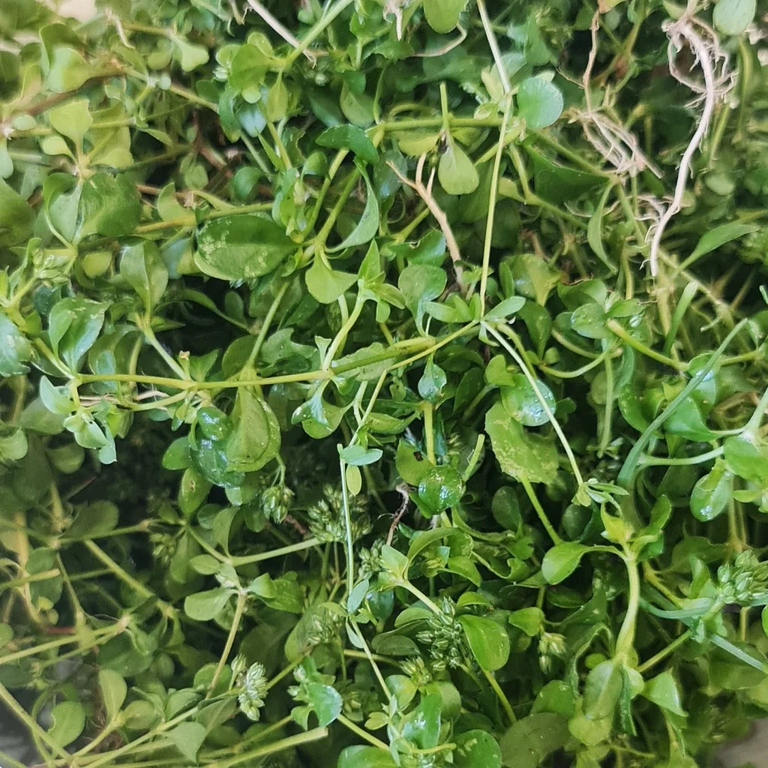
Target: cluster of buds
744,580
276,502
551,647
445,637
253,688
327,519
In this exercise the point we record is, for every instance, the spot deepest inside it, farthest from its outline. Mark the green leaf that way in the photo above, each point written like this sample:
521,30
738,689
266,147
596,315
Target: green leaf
72,119
326,701
505,308
595,230
420,284
561,561
456,172
68,722
206,606
326,284
528,742
16,217
732,17
529,620
539,102
255,439
557,184
441,488
191,56
520,454
432,381
359,456
522,403
188,738
365,757
144,270
711,494
368,224
488,641
745,459
349,137
113,692
422,725
725,233
241,247
476,749
443,15
16,349
109,206
663,691
73,326
69,70
602,689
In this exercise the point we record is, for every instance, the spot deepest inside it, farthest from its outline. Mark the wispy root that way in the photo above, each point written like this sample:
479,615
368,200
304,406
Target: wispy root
612,141
716,80
425,193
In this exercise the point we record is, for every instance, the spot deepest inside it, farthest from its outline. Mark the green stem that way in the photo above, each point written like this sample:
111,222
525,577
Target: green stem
664,652
242,599
487,243
165,608
615,328
270,316
494,683
269,749
362,734
317,30
540,511
429,431
608,412
272,553
349,543
545,406
653,461
419,595
626,637
631,462
29,721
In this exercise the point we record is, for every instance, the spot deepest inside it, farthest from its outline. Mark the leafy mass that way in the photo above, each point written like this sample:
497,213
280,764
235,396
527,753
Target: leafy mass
383,383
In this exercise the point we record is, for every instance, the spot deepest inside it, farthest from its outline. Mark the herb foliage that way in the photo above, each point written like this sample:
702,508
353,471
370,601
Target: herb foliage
383,382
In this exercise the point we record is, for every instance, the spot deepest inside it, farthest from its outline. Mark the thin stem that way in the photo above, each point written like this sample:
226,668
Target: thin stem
615,328
540,511
540,397
664,652
494,683
349,542
242,599
662,461
362,733
272,553
270,749
487,243
270,316
317,30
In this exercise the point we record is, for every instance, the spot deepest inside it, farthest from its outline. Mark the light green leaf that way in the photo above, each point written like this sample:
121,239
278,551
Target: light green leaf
520,454
144,270
523,404
476,749
191,56
205,606
255,440
15,350
528,742
712,492
539,102
443,15
69,70
349,137
113,692
456,172
241,247
663,690
16,217
602,689
561,561
368,225
326,284
72,119
419,284
726,233
365,757
188,738
68,719
488,641
732,17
